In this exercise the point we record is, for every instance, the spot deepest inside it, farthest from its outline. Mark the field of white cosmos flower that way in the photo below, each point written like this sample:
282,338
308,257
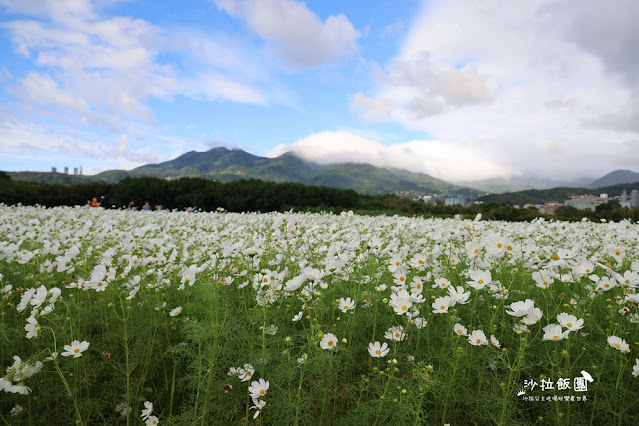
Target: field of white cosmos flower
114,317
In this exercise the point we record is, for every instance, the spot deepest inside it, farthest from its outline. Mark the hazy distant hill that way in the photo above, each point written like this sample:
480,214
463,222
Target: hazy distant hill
225,165
526,182
541,196
615,178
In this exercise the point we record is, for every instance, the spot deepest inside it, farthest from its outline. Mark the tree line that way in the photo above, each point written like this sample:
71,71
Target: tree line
257,195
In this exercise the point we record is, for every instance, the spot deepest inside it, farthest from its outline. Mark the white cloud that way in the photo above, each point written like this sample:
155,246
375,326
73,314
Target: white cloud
518,76
212,85
103,71
19,138
455,160
300,36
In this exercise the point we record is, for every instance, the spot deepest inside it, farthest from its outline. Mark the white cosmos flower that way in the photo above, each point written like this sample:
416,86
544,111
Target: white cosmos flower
329,342
75,349
176,311
570,321
401,302
525,308
619,344
480,279
554,332
396,333
258,388
458,294
494,341
148,410
533,316
477,338
460,330
259,405
246,372
441,283
346,305
441,304
377,350
606,283
31,327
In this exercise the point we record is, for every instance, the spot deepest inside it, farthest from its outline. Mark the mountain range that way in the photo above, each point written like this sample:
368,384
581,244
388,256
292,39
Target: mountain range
232,164
225,165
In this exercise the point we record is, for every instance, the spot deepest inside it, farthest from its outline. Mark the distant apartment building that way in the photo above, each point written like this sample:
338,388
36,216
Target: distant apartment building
66,170
456,201
54,170
631,201
587,202
429,199
75,171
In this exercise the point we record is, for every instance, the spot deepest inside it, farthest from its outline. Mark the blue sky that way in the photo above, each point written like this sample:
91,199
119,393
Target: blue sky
462,91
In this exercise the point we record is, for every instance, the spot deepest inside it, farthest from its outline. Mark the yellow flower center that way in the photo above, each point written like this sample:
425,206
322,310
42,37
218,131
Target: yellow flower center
569,324
554,337
330,343
76,350
378,352
617,345
459,331
480,281
262,391
345,306
404,307
478,340
442,307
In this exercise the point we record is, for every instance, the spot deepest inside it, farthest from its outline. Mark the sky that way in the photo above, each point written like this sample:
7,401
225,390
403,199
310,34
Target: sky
461,90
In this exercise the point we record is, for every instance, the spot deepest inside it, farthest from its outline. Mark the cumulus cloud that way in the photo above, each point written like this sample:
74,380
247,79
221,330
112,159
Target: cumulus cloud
105,70
99,73
519,76
301,38
455,160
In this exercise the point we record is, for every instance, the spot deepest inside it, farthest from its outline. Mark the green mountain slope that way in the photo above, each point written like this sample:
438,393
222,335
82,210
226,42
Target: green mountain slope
226,165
